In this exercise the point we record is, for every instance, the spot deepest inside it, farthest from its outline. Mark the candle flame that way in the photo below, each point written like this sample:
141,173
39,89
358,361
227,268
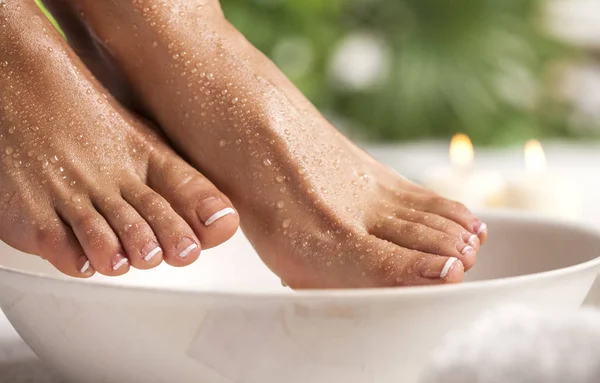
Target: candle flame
535,158
461,150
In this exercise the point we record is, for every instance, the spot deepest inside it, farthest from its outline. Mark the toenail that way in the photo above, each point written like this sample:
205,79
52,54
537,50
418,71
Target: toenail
447,267
482,229
119,262
188,246
218,215
472,239
150,251
85,268
433,269
467,249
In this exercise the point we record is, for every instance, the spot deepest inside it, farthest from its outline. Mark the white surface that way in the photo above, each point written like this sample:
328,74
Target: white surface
17,363
497,348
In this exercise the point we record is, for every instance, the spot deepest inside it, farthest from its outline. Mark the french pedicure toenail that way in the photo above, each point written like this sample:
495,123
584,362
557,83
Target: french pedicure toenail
186,246
85,267
432,269
473,239
482,229
446,269
150,251
119,261
218,215
467,250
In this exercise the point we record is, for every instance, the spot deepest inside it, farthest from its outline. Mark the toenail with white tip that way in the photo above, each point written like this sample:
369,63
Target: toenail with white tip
218,215
188,250
467,249
85,268
447,267
120,264
482,229
472,239
152,253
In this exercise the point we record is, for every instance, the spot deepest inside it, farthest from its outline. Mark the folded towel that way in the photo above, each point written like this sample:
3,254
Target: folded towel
519,345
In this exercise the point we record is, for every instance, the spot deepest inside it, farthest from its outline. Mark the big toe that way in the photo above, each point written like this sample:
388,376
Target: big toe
398,266
204,207
416,236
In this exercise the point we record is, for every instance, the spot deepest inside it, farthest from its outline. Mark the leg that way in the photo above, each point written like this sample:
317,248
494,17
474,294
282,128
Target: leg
320,211
84,183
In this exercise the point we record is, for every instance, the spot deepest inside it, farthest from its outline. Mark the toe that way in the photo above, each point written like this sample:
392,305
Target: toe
177,240
97,239
397,266
440,223
442,269
436,222
452,210
415,236
58,245
208,211
136,236
481,230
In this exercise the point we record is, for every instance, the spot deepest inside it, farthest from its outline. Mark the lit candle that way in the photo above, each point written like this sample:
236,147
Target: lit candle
461,182
539,191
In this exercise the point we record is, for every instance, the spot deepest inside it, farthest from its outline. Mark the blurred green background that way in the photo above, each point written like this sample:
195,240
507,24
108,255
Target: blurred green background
392,70
413,69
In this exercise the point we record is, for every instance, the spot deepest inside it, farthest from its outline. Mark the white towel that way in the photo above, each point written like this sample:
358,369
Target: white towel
519,345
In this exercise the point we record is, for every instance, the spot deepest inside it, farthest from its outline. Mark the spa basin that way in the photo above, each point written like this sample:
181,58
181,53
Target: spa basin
228,319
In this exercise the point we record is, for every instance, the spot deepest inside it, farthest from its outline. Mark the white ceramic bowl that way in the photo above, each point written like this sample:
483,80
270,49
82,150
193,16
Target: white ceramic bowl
228,319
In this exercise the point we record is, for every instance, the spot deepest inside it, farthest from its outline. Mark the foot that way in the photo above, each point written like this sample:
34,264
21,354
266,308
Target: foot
85,184
319,211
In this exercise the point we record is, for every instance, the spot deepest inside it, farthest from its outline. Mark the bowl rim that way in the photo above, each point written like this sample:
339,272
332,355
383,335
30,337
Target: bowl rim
354,294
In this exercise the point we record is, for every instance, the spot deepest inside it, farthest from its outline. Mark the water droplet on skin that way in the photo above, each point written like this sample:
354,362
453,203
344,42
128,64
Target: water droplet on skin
54,159
73,183
127,227
238,142
280,204
301,171
286,223
210,76
222,143
280,179
11,130
267,162
9,150
76,198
